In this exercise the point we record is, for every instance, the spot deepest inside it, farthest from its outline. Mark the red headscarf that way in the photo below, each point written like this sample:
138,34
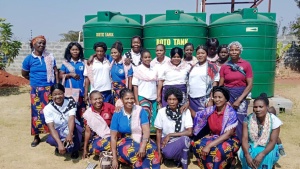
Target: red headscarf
35,39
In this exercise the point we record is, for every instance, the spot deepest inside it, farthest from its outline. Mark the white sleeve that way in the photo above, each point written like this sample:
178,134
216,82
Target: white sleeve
217,77
161,74
48,114
72,112
135,81
188,119
276,122
158,120
85,71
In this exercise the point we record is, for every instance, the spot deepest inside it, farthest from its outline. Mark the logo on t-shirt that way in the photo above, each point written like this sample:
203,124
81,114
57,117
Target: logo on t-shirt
121,71
80,67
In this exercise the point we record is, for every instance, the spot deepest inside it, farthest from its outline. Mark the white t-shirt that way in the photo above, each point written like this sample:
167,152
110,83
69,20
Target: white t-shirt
136,58
193,61
167,125
173,76
101,74
198,80
147,89
158,65
276,121
51,114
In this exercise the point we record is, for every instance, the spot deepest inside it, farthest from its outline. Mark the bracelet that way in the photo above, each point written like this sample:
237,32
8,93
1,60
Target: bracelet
147,139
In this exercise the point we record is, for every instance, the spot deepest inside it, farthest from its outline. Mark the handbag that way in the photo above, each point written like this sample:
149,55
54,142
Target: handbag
71,92
105,160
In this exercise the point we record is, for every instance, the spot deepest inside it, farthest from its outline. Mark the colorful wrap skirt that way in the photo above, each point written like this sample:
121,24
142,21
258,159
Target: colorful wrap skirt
198,104
81,107
182,87
77,138
219,156
39,97
99,144
107,96
178,149
267,163
127,153
116,88
151,108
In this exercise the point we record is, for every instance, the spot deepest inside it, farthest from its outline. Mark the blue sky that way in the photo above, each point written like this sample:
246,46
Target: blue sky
53,17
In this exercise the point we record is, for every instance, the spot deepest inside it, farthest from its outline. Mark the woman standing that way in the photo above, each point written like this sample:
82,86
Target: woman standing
202,77
97,73
40,69
223,55
188,54
160,60
145,89
72,68
216,150
65,133
174,74
121,74
237,76
174,129
134,147
212,45
260,134
97,122
134,55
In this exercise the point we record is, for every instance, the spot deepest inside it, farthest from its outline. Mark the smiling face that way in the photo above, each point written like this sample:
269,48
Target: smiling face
234,52
160,52
172,102
188,51
115,54
219,99
74,52
96,100
100,53
260,108
40,45
128,100
201,56
136,45
58,97
176,59
146,58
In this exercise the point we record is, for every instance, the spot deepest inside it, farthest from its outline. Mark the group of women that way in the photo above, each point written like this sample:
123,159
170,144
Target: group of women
185,100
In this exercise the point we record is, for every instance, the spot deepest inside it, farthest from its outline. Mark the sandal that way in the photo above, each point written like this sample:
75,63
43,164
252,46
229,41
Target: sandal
35,142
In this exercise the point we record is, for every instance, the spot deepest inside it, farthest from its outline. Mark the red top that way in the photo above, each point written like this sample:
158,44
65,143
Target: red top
106,112
215,122
236,78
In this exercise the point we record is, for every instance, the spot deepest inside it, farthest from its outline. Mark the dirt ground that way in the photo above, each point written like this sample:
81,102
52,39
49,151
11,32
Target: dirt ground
16,152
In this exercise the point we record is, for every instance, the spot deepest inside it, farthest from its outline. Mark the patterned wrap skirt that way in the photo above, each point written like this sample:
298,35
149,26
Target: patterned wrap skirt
219,156
99,144
127,150
39,97
116,88
151,108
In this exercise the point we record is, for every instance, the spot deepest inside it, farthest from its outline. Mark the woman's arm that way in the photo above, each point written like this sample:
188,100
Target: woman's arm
221,82
136,94
56,74
145,139
158,142
130,82
159,90
245,146
86,88
87,135
54,134
186,132
25,74
247,89
113,146
193,113
71,125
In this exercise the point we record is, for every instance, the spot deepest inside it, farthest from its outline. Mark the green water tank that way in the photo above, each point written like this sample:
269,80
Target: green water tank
109,27
257,32
175,28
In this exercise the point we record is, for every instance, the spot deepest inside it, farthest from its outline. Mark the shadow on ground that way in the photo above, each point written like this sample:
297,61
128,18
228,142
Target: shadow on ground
7,91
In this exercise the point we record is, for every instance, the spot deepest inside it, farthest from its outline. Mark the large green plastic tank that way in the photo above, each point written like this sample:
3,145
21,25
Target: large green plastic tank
257,32
175,28
109,27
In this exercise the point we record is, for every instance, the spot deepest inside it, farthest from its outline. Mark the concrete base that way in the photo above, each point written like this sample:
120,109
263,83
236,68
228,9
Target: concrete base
281,105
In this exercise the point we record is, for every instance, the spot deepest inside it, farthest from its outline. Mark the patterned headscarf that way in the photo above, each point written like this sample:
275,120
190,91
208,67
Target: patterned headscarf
35,39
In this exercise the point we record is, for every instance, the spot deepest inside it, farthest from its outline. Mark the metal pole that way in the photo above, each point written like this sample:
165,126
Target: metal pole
203,5
232,5
269,9
197,6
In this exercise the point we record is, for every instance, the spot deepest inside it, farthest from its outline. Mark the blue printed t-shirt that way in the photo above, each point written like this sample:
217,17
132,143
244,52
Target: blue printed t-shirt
36,67
118,73
79,68
121,122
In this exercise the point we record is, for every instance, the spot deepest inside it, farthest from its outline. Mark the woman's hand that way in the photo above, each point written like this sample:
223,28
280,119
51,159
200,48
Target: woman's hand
249,161
84,154
205,151
165,141
160,157
75,76
158,100
236,104
142,152
86,98
184,107
115,164
137,103
61,149
118,109
258,159
127,61
209,103
69,138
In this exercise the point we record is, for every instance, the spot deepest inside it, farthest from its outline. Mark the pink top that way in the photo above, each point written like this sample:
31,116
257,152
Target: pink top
236,78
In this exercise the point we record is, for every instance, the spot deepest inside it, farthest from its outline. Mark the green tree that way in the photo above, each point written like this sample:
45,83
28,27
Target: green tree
71,36
9,49
281,50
